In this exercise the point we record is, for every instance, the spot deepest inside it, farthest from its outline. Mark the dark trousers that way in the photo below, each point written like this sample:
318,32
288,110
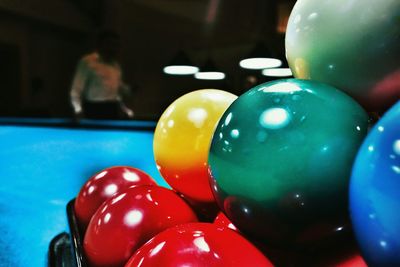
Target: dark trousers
108,110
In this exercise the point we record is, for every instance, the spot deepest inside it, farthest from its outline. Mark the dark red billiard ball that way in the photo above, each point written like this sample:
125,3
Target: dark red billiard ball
126,221
103,186
198,244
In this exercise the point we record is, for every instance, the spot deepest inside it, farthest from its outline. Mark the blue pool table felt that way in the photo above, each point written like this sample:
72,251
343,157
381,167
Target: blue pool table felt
42,168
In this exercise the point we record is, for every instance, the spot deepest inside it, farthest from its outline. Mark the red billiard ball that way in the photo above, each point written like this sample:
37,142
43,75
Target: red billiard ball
221,221
103,186
125,222
198,244
355,261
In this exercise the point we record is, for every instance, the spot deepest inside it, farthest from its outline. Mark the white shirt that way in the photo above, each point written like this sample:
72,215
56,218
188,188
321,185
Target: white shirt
96,81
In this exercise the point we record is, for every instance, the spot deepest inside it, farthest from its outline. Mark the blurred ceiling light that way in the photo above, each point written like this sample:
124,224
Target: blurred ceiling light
180,65
277,72
260,58
209,72
283,71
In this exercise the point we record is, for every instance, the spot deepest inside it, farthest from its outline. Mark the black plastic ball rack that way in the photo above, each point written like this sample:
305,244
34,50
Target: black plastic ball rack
66,249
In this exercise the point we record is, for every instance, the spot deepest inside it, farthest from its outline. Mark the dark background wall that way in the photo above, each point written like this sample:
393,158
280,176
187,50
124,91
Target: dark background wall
42,41
47,38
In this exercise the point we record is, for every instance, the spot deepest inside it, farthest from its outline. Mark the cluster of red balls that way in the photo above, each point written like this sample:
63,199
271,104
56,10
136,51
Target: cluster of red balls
128,220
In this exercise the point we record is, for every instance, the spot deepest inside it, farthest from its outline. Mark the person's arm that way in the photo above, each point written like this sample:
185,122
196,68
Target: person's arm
78,85
127,111
124,89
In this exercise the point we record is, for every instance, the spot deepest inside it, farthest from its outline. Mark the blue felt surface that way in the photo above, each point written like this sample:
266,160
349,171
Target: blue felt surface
83,122
42,168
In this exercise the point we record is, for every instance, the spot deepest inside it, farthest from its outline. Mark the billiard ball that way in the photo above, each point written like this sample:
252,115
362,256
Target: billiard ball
375,192
182,140
280,162
352,45
198,244
129,219
354,261
221,221
103,185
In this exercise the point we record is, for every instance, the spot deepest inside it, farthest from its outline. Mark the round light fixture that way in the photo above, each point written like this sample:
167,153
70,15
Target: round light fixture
210,75
259,63
260,58
180,70
277,72
209,72
180,65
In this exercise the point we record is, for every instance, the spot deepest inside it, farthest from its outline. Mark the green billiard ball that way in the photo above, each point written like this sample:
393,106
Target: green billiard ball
280,161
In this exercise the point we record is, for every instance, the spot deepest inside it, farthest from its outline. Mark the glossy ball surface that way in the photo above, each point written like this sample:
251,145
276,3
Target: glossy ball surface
352,45
354,261
198,244
281,158
182,140
128,220
103,186
375,192
221,221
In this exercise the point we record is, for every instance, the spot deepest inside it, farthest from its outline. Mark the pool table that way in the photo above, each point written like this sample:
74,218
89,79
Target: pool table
44,162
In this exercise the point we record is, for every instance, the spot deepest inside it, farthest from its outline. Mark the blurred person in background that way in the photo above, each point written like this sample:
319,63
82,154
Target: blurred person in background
97,87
